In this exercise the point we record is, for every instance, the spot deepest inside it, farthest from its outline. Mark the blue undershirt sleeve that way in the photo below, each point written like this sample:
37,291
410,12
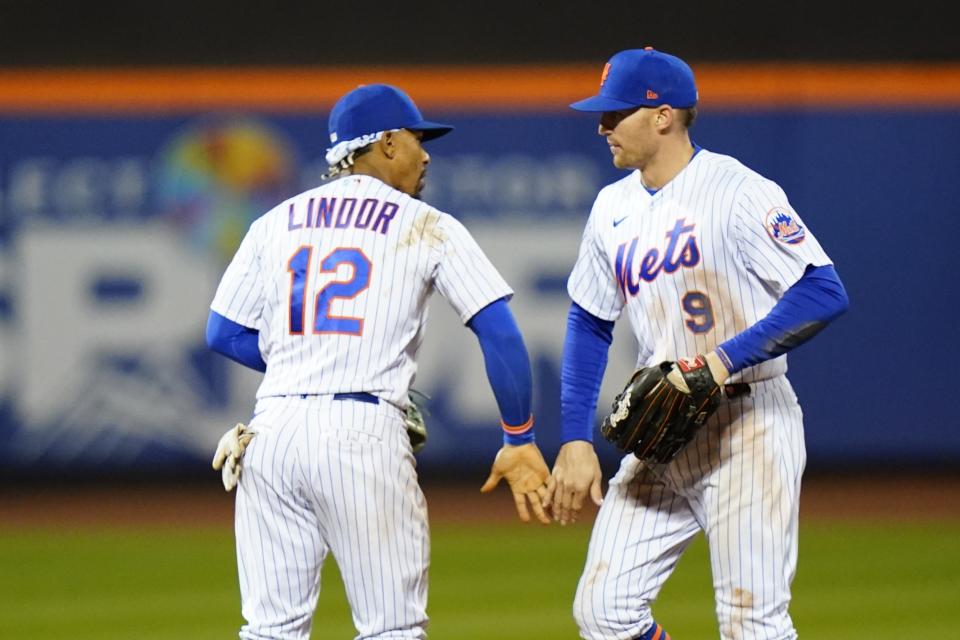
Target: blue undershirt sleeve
584,360
508,369
815,300
235,341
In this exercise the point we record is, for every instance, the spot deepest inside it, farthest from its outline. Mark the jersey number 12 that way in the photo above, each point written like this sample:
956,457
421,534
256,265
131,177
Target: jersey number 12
323,321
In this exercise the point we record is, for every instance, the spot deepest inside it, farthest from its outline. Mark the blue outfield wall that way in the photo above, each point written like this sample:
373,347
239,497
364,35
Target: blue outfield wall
114,232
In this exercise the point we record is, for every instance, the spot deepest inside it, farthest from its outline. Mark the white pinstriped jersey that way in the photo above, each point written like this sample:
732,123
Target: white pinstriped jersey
337,280
698,262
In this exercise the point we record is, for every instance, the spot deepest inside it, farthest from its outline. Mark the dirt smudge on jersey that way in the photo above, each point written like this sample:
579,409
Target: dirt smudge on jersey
742,602
425,228
595,572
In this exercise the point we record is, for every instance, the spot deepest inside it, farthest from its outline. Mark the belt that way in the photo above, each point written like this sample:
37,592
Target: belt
359,396
736,389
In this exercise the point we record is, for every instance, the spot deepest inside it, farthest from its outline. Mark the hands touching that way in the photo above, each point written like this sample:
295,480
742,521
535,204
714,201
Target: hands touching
526,472
576,472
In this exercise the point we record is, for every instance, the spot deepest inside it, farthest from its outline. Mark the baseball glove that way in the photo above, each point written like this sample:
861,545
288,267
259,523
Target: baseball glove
414,422
654,417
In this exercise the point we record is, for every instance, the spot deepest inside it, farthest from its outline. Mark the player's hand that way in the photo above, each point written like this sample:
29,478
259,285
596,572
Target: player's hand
229,453
717,370
576,472
526,472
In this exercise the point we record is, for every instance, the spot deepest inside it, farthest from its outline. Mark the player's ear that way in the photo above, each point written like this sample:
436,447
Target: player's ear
664,117
388,144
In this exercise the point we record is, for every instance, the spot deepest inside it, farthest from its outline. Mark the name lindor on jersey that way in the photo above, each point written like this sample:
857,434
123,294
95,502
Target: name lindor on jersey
322,216
629,271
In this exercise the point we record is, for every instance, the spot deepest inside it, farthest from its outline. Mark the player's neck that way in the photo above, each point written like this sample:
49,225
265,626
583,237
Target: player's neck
670,160
368,169
374,164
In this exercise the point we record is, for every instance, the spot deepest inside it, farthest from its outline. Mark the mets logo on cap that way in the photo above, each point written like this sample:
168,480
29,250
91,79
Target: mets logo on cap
783,227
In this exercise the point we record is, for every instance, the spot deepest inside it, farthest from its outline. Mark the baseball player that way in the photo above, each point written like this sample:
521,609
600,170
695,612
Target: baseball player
328,295
707,258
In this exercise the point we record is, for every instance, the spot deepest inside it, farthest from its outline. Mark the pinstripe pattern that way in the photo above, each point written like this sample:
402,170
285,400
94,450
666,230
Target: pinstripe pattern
741,269
325,476
739,480
335,476
423,250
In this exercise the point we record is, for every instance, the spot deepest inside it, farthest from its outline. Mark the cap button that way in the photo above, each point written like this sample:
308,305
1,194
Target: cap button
648,48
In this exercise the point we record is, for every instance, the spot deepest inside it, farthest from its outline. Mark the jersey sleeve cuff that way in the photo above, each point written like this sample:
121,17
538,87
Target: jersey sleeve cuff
517,435
248,322
610,315
503,294
725,359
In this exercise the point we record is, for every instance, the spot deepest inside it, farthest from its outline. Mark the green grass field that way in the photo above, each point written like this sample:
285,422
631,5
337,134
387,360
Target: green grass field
855,581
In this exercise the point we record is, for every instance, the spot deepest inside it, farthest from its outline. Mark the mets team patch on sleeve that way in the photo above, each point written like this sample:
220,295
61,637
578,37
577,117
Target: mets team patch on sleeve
783,227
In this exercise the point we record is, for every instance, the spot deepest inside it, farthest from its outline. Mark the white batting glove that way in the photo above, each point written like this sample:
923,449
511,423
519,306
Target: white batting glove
230,452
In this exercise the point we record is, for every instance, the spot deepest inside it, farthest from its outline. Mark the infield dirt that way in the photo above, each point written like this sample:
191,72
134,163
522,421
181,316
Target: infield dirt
898,498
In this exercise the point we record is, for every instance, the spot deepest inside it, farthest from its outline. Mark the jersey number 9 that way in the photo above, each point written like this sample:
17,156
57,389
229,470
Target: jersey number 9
698,307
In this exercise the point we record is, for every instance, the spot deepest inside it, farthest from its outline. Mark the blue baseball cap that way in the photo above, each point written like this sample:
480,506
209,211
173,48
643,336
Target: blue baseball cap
642,78
372,108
